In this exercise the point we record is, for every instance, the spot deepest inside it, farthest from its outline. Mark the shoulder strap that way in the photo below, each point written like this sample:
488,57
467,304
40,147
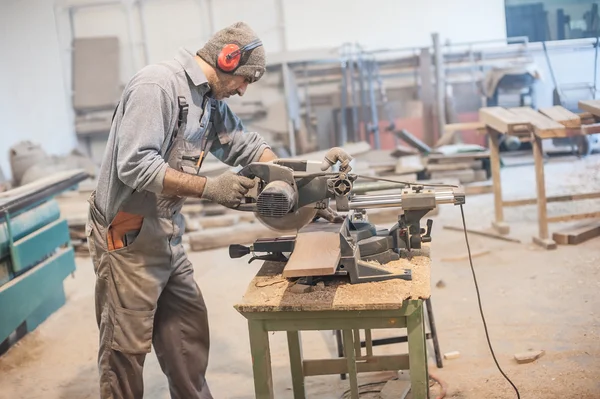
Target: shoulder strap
181,122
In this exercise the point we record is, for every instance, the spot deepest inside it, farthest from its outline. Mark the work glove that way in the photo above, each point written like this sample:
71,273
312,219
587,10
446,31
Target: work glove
227,189
333,156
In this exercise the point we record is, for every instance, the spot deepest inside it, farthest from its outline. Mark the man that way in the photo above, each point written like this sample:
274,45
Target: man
169,116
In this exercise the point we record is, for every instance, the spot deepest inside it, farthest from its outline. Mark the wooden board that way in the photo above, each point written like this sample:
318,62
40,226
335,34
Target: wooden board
502,120
478,188
432,167
316,253
543,126
455,127
457,157
578,234
591,106
562,116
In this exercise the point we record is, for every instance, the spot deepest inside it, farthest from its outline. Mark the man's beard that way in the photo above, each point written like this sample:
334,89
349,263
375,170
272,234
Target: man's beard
219,89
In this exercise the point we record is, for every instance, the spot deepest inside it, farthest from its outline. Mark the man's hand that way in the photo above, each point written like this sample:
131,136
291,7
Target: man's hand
333,156
227,189
330,215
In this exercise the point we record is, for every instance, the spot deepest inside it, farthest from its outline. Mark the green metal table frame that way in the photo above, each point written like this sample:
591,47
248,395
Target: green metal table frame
350,322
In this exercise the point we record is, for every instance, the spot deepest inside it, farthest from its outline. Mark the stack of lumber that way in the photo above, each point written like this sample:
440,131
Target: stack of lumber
466,167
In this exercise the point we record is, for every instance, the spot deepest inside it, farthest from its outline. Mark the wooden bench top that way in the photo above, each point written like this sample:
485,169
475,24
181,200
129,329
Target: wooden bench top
591,106
543,126
549,122
562,116
503,120
270,292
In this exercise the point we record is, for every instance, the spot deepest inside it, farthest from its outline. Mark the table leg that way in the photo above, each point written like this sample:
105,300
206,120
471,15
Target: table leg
261,359
295,349
494,144
543,239
357,350
369,342
417,354
434,338
351,359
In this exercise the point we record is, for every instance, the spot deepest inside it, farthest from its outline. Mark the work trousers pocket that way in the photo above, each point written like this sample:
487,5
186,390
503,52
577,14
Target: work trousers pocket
133,330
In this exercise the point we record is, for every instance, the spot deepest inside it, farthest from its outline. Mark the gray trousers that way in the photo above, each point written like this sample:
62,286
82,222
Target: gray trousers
146,295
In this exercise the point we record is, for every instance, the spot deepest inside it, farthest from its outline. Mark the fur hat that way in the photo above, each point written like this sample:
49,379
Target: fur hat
252,62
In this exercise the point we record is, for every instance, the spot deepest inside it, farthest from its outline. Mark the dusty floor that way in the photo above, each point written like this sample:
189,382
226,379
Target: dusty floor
532,299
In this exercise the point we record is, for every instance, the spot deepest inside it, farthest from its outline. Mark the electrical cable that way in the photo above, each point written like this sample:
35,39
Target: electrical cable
487,336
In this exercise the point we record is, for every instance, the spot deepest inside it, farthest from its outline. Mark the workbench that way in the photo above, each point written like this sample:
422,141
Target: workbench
270,305
36,254
534,126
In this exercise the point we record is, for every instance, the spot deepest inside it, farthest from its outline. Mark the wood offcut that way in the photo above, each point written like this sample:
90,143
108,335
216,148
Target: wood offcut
315,253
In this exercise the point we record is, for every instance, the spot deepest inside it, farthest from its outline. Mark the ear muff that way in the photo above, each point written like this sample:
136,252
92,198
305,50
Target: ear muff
229,57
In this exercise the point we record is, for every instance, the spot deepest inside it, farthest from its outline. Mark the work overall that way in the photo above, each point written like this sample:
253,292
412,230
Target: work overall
145,288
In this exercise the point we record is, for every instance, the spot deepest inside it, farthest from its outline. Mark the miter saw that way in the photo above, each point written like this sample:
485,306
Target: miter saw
289,193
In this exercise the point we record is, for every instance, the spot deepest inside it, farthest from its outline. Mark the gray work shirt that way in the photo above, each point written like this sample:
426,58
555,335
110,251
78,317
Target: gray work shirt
147,116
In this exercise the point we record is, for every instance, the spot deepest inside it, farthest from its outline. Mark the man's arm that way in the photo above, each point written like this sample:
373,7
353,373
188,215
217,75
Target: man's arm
234,145
267,156
142,131
183,184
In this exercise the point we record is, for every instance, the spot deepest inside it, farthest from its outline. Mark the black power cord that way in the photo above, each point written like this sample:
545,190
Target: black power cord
487,336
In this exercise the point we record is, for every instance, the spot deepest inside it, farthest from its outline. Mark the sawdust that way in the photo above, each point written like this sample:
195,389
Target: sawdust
270,292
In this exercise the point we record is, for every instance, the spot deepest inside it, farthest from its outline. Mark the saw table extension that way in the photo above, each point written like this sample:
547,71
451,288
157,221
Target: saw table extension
270,305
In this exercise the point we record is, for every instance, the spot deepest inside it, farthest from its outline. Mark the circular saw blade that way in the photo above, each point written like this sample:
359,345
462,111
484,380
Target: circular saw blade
290,222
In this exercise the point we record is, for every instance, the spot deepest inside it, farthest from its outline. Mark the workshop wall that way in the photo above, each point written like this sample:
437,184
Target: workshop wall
378,24
33,100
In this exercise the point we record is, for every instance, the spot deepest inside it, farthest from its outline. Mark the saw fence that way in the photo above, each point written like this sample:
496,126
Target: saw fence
535,126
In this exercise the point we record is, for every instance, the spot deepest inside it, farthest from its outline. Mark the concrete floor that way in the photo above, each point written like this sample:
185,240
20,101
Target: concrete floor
532,298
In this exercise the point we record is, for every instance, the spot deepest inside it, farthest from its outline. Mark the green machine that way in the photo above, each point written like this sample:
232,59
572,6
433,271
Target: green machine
35,254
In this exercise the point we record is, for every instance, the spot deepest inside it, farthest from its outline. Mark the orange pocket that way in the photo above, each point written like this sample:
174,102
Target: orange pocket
123,223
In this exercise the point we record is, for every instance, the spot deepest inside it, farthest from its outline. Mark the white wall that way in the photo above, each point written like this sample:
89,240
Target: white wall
33,102
391,23
35,64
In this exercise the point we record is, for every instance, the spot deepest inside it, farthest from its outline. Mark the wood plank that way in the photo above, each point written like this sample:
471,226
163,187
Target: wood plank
455,127
315,254
464,176
578,234
436,167
462,156
364,365
528,357
593,128
591,106
478,188
568,218
494,144
554,198
241,233
562,116
543,126
540,181
502,120
484,234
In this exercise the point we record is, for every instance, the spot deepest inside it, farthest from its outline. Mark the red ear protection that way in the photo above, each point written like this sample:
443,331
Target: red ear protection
229,57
